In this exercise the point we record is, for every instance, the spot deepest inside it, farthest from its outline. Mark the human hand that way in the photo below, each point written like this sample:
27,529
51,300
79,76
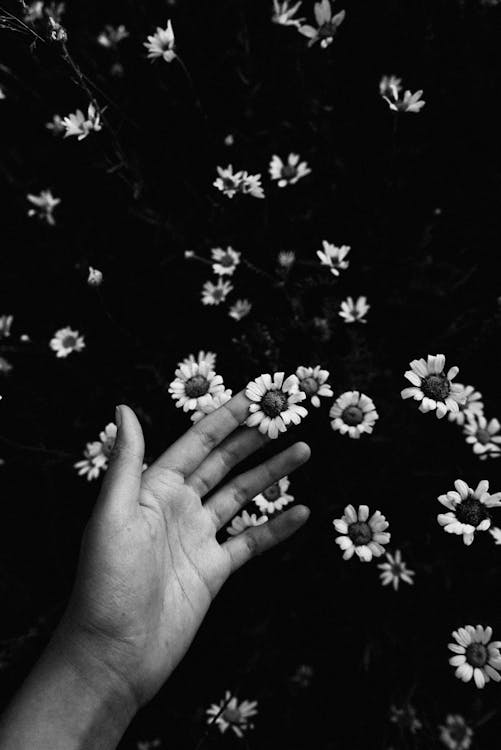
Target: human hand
150,563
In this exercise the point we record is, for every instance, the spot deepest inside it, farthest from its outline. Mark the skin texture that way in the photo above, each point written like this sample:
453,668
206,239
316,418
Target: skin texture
150,566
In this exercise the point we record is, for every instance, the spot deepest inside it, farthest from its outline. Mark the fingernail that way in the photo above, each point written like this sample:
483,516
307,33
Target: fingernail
118,416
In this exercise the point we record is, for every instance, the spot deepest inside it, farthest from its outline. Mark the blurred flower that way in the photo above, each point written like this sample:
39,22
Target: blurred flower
456,734
251,185
468,509
149,744
202,358
275,403
95,277
389,84
471,407
405,717
110,36
354,312
195,385
240,309
161,44
496,534
33,11
274,497
5,366
225,260
245,521
45,204
303,675
79,125
334,257
286,258
483,436
327,24
395,570
353,413
2,93
229,139
229,713
432,387
475,655
290,172
56,125
214,294
228,182
211,405
312,381
409,102
65,341
57,31
5,325
97,453
283,13
361,535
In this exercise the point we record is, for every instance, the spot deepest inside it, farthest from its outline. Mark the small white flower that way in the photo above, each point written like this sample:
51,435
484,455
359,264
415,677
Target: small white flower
251,185
214,294
483,437
274,497
468,509
389,84
228,182
44,203
5,325
95,277
432,387
354,311
275,403
65,341
455,734
79,125
240,309
283,13
202,358
475,655
361,535
97,454
406,718
334,257
245,521
353,413
496,534
286,258
161,44
395,570
55,125
313,382
208,407
229,713
327,24
5,366
34,11
290,172
194,386
225,261
111,36
408,103
472,406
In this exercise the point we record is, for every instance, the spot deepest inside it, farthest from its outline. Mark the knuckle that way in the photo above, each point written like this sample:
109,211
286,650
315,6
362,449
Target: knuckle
207,436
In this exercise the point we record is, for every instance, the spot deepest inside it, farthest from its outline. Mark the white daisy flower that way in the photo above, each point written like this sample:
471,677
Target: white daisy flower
389,84
290,172
455,734
33,11
251,185
229,713
79,125
225,261
161,44
395,570
496,534
215,402
312,381
240,309
468,509
194,386
327,24
228,182
245,521
286,258
361,535
214,294
65,341
55,125
5,325
334,257
432,387
483,437
111,36
274,497
275,403
353,413
354,312
44,203
95,277
283,13
408,103
93,462
475,655
472,406
207,358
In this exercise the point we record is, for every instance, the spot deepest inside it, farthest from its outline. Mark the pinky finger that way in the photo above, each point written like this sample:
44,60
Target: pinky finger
258,539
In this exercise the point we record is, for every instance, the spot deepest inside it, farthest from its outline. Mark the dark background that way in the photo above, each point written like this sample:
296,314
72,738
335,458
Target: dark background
419,205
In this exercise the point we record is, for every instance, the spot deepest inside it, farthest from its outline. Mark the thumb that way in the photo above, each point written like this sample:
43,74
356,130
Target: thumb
122,481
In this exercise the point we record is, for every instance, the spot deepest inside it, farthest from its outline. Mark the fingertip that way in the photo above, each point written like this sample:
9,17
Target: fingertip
303,451
301,513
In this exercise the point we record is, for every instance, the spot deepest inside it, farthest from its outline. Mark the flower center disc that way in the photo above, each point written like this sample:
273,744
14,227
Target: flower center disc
483,436
69,342
309,386
471,511
476,654
232,715
353,415
272,493
196,386
226,261
288,172
273,402
360,532
436,387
